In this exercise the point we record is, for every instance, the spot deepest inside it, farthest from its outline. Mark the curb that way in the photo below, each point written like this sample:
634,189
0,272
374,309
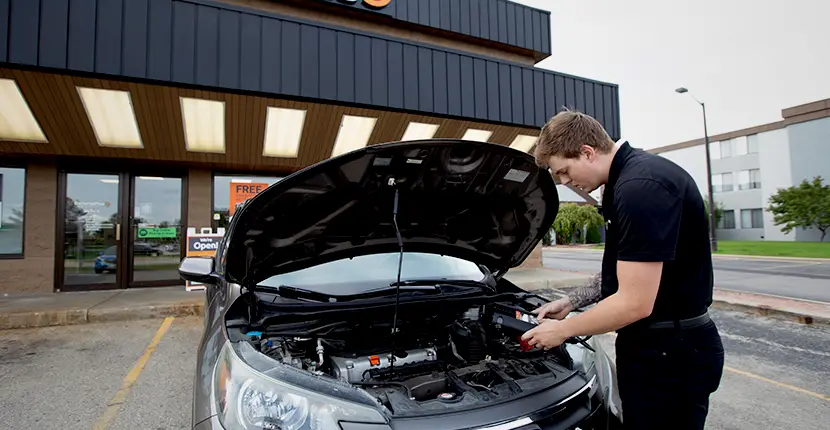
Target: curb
770,312
65,317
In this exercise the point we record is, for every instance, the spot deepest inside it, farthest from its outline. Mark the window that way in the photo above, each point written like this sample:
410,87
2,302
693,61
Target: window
749,179
722,183
368,272
726,149
754,178
740,145
714,150
727,221
238,189
12,187
752,144
752,218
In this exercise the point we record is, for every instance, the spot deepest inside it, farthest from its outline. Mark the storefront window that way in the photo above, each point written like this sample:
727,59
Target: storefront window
230,191
12,186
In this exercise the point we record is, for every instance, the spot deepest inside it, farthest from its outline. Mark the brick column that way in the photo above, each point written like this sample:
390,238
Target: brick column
199,198
35,272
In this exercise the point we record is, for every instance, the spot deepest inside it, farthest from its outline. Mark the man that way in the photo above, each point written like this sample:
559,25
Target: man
656,281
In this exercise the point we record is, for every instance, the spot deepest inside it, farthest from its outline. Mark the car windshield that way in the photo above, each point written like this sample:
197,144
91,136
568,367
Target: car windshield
370,272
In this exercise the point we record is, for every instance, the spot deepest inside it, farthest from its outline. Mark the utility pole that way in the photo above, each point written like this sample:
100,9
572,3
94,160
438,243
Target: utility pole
712,233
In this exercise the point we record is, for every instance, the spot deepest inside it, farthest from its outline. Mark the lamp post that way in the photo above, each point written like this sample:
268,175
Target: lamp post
712,235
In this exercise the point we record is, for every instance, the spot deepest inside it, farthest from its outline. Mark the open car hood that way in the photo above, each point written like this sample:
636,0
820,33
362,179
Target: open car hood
482,202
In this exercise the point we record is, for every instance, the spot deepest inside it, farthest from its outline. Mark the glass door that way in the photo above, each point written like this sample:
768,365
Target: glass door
156,231
91,231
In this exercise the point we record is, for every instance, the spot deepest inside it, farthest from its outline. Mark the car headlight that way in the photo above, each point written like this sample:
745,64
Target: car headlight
251,392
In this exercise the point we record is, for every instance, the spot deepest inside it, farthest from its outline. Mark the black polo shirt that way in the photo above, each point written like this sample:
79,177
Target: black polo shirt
653,211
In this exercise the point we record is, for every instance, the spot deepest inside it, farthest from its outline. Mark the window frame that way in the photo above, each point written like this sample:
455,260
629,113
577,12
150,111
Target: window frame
751,212
11,164
750,139
752,184
723,225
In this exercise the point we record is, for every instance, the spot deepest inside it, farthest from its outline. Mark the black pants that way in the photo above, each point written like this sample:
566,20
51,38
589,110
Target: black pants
666,376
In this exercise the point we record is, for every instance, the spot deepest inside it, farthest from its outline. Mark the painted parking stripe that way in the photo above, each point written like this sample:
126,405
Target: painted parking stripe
106,419
779,384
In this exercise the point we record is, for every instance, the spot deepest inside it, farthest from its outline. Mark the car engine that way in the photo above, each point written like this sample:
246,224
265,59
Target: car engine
439,360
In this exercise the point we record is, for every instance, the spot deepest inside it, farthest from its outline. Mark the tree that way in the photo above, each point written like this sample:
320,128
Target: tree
806,205
718,210
573,217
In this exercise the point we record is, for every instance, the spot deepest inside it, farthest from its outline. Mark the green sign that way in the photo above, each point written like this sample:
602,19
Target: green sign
157,233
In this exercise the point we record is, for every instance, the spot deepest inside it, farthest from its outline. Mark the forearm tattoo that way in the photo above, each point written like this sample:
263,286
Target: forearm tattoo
587,294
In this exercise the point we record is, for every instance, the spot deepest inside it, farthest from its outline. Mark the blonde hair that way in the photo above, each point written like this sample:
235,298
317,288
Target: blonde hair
565,134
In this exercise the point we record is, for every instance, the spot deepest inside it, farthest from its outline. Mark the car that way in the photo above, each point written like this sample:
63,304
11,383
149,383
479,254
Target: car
367,292
106,259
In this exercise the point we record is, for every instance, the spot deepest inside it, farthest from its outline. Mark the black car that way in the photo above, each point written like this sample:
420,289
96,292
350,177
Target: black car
367,292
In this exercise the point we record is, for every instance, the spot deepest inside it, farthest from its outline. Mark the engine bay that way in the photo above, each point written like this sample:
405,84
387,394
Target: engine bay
443,359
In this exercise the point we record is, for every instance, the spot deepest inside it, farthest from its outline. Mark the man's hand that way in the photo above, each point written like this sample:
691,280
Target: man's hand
548,334
557,309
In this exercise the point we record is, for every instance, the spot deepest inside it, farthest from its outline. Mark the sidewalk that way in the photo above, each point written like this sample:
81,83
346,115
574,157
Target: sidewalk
22,311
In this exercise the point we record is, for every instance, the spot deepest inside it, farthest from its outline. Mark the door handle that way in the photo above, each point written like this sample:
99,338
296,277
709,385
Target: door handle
117,231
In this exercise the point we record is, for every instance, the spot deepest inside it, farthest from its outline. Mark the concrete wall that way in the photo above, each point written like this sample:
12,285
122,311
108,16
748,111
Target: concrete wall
35,272
693,160
741,234
809,158
776,172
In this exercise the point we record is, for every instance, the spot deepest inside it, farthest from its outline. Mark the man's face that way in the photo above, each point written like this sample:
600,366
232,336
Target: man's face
583,172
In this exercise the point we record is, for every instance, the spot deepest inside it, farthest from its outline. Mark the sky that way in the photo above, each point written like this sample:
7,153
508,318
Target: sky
746,60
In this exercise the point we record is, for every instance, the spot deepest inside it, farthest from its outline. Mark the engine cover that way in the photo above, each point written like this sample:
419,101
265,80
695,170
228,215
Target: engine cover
353,369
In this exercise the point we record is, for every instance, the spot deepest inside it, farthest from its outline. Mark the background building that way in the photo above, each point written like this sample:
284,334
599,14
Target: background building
125,122
750,165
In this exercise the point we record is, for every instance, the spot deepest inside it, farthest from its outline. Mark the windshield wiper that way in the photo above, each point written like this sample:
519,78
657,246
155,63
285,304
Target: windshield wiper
439,282
288,291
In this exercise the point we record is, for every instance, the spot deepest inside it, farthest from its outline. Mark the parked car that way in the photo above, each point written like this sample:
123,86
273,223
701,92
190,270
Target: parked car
368,292
106,259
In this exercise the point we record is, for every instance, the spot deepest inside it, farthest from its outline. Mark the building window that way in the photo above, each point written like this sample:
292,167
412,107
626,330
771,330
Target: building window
755,178
726,148
714,150
740,145
749,179
752,144
727,221
234,190
12,188
752,218
722,182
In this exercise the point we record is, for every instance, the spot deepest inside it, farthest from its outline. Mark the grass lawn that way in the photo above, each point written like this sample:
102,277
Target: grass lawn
776,249
770,249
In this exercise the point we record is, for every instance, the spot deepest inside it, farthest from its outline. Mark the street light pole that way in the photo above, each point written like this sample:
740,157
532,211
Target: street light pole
712,234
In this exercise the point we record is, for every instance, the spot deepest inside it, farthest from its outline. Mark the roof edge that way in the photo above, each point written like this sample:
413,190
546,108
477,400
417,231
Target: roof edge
792,115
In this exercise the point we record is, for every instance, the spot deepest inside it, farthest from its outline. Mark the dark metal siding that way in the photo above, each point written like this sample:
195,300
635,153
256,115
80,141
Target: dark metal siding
233,48
495,20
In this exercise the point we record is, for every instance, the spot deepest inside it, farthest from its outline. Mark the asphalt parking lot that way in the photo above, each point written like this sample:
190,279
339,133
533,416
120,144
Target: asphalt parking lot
131,375
801,279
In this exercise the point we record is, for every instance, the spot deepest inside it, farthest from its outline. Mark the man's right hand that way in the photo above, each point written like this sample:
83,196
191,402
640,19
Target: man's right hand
557,309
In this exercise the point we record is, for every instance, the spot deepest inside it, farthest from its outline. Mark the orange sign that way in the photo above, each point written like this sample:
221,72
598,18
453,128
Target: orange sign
240,193
377,3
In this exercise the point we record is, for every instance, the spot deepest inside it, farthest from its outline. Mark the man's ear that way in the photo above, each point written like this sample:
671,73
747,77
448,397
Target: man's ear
589,152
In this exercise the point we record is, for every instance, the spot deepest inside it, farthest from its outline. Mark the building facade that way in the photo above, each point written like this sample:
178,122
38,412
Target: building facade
124,123
750,165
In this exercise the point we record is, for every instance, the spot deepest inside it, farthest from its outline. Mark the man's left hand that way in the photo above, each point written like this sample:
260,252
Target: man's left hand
548,334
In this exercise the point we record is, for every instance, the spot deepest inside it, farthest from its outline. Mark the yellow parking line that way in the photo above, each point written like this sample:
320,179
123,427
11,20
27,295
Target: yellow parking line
780,384
115,403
